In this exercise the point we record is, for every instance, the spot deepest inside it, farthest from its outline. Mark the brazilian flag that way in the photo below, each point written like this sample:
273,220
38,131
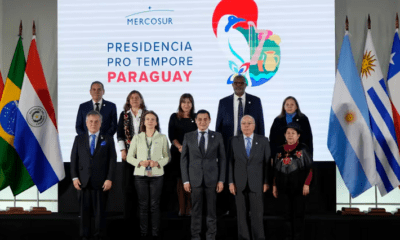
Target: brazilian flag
12,171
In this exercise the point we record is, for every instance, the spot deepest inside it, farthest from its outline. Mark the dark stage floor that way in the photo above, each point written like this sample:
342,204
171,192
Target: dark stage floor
62,226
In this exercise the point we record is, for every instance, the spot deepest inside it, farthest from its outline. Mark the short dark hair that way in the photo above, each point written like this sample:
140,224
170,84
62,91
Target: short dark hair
240,77
97,82
94,112
203,111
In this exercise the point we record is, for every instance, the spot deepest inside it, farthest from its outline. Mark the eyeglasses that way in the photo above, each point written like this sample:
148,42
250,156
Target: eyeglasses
239,83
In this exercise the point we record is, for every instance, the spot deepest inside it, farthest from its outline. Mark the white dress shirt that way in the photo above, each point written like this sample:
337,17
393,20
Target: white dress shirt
136,125
251,140
236,111
100,104
205,138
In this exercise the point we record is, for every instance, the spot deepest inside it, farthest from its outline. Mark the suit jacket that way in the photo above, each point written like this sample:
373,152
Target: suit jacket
159,152
250,170
94,169
225,118
277,137
109,122
196,167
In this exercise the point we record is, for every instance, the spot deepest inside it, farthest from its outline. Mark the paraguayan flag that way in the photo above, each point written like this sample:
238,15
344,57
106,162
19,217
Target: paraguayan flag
349,136
380,109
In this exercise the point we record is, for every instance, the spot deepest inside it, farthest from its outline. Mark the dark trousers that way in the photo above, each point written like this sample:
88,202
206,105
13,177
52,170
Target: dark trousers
197,210
254,200
294,209
92,202
128,191
149,191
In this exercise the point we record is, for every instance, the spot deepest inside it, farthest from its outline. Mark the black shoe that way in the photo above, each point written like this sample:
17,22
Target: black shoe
143,236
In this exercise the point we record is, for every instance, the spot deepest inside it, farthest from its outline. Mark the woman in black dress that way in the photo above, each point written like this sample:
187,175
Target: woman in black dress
128,126
180,123
292,178
290,113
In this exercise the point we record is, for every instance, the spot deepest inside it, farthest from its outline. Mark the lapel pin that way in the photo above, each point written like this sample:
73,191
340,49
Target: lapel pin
104,105
249,102
212,136
256,142
297,119
101,137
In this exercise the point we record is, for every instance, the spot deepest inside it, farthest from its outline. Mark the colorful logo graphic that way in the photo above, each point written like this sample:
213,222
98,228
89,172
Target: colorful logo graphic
251,52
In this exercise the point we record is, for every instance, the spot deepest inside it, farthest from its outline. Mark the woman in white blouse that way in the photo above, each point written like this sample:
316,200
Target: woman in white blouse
129,126
149,153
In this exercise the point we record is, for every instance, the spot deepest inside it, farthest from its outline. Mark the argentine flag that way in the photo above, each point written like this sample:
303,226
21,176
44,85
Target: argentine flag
382,125
36,135
349,135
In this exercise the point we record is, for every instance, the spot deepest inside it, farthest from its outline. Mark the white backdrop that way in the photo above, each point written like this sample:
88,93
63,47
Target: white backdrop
89,33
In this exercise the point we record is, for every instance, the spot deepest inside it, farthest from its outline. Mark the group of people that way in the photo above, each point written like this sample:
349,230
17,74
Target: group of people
236,160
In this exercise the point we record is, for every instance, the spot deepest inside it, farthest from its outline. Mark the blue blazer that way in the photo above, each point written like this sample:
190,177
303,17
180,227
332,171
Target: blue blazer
225,122
109,113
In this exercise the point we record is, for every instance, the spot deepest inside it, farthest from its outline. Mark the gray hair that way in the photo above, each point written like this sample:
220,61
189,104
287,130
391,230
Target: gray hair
254,121
94,113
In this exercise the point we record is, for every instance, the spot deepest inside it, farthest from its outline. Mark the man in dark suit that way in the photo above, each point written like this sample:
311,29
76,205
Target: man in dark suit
230,111
233,107
107,109
248,167
203,167
93,162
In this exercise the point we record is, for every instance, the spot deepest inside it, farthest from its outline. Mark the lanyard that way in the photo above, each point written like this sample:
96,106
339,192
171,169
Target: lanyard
149,148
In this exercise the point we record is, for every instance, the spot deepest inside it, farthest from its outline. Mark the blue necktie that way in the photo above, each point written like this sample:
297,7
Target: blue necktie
240,115
92,143
248,146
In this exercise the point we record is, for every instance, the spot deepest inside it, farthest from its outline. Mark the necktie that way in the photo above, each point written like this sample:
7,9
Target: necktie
248,146
202,143
97,107
240,115
92,143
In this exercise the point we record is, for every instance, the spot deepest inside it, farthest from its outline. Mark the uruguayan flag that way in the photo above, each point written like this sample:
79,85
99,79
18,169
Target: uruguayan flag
380,109
349,136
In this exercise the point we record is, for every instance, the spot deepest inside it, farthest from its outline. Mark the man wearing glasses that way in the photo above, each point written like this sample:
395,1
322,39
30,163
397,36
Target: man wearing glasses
231,109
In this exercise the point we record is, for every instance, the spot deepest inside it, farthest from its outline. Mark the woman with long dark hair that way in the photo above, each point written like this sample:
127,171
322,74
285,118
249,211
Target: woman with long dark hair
180,123
129,126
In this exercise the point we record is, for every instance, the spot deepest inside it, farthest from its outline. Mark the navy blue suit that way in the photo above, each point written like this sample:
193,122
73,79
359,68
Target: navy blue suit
225,121
109,123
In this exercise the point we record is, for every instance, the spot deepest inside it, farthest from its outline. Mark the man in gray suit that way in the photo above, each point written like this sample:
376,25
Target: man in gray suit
248,155
203,172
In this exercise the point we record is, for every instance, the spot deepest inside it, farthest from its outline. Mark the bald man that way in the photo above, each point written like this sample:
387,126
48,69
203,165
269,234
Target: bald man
248,167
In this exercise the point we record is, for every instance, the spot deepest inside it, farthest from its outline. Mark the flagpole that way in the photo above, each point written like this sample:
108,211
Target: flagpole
34,34
347,29
397,28
20,35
